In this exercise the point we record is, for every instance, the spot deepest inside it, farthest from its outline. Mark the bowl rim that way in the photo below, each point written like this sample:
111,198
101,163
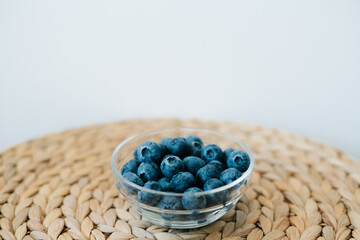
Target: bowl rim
244,175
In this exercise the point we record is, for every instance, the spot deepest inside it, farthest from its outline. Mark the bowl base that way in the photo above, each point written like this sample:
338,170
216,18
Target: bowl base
195,220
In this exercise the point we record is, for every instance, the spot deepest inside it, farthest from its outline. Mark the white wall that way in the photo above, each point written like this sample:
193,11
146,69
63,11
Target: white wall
294,65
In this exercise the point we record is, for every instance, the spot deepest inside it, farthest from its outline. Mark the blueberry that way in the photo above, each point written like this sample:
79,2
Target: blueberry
219,165
192,138
163,148
239,160
163,145
170,203
182,181
195,145
195,148
213,183
136,153
193,164
215,198
194,202
149,172
178,146
133,178
229,175
207,172
147,197
165,141
211,152
149,152
165,185
171,165
227,153
130,166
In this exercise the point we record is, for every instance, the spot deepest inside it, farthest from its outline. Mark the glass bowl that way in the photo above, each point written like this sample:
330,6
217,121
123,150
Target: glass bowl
219,200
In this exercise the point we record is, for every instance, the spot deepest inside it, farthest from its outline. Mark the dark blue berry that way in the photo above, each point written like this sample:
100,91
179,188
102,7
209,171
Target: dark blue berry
170,203
150,152
165,141
227,153
207,172
215,198
165,185
195,148
182,181
229,175
147,197
192,138
171,165
178,146
133,178
211,152
193,164
136,153
163,148
193,202
149,172
219,165
213,183
239,160
195,145
130,166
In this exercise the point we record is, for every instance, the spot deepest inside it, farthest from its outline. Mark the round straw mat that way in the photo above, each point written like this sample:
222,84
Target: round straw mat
61,187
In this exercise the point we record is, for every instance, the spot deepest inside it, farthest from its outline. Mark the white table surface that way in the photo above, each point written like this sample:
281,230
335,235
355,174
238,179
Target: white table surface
293,65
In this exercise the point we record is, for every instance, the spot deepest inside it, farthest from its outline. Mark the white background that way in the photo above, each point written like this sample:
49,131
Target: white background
293,65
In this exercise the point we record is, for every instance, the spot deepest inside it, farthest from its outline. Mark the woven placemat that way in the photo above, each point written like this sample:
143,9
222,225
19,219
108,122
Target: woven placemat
61,187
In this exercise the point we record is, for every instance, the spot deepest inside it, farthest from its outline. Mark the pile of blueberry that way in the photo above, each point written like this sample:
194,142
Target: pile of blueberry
183,165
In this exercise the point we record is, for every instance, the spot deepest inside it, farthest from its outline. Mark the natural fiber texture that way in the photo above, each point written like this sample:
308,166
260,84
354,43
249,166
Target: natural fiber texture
61,187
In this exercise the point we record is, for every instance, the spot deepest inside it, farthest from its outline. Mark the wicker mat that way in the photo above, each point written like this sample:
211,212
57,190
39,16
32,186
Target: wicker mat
61,187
